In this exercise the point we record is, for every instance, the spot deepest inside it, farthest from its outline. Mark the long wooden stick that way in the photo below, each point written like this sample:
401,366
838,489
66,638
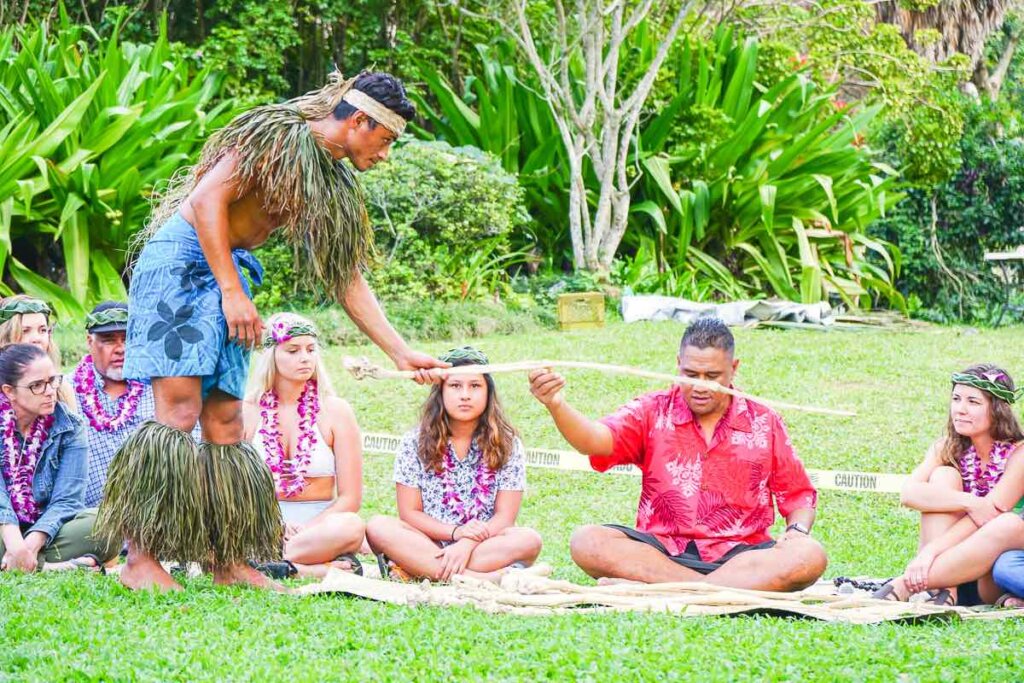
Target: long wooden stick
362,368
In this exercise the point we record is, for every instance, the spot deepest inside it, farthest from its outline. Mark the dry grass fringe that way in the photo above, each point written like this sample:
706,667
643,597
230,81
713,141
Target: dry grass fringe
317,198
244,517
155,497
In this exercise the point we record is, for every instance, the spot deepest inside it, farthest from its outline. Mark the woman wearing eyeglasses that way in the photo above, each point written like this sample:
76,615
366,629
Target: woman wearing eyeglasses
43,464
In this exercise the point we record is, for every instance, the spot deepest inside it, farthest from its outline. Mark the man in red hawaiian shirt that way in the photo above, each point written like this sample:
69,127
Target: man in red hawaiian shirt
711,465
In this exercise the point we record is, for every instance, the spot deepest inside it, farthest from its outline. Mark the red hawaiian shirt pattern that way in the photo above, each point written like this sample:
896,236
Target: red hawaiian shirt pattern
718,495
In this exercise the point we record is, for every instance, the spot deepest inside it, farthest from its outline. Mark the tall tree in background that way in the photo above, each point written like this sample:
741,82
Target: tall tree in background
576,51
937,29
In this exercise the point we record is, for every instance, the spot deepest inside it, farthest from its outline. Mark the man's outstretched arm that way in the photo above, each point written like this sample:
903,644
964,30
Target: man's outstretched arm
362,307
585,435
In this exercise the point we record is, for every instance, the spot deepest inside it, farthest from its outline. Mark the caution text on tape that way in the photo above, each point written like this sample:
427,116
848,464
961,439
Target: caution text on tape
568,460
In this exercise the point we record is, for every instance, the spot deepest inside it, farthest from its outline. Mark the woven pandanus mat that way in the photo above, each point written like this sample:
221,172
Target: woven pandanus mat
530,592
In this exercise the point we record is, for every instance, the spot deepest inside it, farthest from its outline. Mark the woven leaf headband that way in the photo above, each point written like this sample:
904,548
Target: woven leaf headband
991,383
22,307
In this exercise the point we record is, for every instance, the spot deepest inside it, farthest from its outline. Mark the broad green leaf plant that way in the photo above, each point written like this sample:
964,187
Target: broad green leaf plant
89,126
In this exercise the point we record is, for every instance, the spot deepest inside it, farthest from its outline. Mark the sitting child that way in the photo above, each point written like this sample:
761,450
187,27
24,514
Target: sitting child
964,488
460,478
311,442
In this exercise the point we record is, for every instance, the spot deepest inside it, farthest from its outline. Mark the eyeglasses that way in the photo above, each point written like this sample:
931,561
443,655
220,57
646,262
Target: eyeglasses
39,386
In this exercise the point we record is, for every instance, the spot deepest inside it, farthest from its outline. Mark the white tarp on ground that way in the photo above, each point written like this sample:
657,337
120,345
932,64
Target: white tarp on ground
653,307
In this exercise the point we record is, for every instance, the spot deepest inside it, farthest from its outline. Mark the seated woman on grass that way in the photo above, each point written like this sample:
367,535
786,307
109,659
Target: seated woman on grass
311,442
968,482
460,477
43,461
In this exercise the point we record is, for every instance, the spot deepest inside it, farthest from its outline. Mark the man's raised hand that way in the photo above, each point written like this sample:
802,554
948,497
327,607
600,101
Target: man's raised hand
422,363
546,386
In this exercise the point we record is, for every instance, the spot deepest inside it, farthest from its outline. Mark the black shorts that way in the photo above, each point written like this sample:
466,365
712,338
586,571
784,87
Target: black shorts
691,556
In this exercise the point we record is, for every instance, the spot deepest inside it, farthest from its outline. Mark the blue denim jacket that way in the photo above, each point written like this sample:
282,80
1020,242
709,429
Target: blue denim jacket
59,482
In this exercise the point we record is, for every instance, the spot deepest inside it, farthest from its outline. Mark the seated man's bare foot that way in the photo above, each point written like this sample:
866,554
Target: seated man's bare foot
611,581
146,574
243,574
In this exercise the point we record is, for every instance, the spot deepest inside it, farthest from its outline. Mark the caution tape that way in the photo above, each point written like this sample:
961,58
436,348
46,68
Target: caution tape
839,480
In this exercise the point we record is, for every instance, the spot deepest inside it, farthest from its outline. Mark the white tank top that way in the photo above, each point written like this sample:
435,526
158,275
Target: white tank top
321,461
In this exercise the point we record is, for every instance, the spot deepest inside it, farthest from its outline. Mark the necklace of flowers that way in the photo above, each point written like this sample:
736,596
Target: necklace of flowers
480,495
19,463
89,399
289,473
978,481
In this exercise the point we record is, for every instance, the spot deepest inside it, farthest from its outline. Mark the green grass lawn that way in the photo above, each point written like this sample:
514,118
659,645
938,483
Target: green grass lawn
85,627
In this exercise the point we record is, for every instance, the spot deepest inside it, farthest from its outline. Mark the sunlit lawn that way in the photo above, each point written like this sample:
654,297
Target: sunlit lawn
88,628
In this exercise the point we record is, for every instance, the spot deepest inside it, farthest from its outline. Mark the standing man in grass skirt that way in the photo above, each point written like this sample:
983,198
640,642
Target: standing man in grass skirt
193,323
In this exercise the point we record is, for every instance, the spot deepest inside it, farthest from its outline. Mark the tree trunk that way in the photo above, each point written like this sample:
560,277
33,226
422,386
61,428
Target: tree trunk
963,25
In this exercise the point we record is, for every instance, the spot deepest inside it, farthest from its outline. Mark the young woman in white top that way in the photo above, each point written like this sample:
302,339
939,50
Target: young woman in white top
311,442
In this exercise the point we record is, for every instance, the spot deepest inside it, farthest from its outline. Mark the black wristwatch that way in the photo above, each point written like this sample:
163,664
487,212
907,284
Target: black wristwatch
799,526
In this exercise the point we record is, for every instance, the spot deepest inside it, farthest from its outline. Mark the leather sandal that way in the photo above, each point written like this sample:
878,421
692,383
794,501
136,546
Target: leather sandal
942,598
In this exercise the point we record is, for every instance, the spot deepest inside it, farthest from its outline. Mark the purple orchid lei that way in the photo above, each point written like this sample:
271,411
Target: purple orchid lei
480,496
978,481
88,398
19,465
289,473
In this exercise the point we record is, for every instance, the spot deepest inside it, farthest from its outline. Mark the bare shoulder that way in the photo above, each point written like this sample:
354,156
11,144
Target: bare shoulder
337,409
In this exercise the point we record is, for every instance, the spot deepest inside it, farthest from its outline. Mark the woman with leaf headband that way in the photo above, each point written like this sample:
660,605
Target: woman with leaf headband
27,320
310,439
193,323
965,488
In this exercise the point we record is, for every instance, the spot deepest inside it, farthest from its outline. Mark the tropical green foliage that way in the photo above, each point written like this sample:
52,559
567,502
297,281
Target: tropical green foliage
945,276
503,115
777,199
442,220
88,127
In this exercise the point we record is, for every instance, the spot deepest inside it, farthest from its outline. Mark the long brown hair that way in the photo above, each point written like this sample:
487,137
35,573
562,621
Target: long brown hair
494,434
1005,425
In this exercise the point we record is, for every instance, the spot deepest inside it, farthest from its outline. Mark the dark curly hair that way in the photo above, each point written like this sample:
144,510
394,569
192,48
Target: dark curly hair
384,88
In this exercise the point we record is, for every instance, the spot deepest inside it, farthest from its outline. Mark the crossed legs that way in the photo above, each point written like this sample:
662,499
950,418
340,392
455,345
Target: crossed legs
793,564
416,553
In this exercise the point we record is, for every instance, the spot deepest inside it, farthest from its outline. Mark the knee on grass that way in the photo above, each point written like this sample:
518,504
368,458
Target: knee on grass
528,544
586,544
807,561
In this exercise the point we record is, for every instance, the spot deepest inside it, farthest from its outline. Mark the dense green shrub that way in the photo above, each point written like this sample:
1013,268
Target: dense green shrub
978,210
442,219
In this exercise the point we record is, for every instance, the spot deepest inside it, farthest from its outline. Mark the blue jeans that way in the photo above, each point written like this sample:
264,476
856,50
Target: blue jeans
1008,572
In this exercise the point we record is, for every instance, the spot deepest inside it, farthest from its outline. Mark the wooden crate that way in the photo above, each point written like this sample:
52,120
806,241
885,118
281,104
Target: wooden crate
581,311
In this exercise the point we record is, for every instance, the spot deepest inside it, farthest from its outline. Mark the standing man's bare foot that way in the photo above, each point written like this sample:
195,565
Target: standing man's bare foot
142,572
243,574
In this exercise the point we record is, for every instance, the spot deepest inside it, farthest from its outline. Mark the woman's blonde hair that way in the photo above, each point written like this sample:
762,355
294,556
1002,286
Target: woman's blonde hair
10,333
10,330
264,373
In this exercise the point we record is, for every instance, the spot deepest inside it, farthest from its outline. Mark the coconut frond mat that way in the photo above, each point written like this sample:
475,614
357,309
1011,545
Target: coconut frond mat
530,592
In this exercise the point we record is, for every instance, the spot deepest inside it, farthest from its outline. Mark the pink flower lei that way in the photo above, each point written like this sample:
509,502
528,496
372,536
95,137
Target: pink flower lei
19,464
289,473
480,495
981,482
88,398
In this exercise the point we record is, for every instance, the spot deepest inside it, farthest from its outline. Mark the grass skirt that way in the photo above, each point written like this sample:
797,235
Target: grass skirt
182,502
245,519
155,496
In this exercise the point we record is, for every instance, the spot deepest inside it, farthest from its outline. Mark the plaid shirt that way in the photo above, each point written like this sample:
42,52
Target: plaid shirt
103,445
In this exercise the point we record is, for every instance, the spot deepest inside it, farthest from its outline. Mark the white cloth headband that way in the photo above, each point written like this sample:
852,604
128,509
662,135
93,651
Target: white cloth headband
375,110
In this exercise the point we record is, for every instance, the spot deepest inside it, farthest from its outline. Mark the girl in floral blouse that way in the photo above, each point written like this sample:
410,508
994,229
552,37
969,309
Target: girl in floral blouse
460,477
965,487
